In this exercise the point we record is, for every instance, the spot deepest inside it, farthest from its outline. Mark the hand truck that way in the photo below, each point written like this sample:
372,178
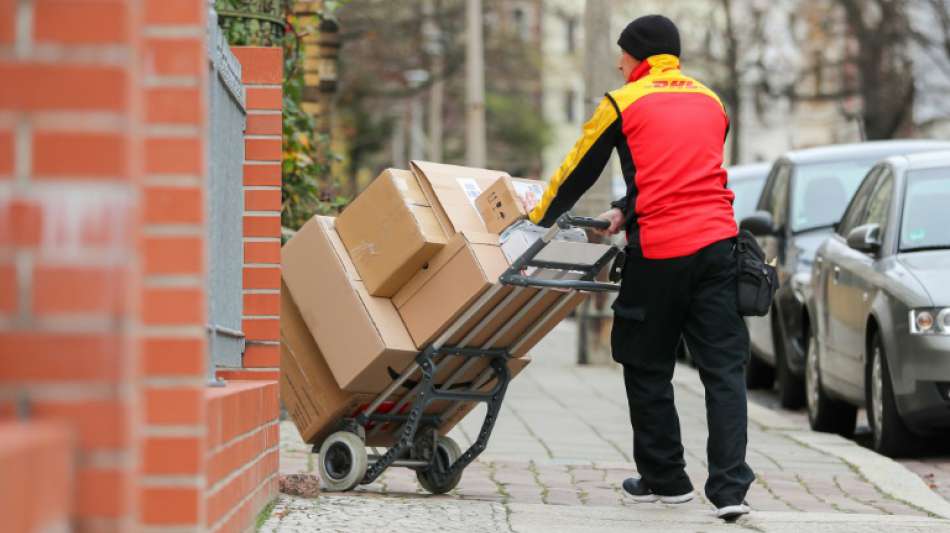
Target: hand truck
438,460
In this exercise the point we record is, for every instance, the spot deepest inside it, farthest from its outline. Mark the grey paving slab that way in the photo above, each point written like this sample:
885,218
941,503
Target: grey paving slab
562,445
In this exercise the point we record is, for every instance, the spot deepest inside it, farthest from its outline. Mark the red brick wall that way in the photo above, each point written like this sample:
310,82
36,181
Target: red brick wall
173,345
32,454
261,71
69,250
103,141
242,454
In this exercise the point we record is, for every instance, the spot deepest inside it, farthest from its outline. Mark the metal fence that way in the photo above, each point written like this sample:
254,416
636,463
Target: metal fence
225,202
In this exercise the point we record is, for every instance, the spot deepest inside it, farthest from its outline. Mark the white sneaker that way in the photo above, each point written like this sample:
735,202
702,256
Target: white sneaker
731,513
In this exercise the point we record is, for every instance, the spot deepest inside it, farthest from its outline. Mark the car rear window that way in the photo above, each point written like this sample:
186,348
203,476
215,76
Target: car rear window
822,192
747,195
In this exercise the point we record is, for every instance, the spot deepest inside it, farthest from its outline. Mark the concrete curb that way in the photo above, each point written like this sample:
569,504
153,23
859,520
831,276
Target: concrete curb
889,476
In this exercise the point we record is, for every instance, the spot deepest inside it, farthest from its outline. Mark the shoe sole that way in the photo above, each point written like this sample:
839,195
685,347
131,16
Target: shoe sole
671,500
732,512
676,500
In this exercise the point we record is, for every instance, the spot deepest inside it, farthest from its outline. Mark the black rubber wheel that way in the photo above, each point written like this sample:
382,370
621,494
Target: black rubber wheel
891,436
825,414
447,451
758,374
343,461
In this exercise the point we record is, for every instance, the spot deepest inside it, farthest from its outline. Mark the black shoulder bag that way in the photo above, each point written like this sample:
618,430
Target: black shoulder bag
758,280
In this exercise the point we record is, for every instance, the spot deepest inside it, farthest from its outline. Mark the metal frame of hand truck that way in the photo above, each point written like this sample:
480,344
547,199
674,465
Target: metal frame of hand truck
416,441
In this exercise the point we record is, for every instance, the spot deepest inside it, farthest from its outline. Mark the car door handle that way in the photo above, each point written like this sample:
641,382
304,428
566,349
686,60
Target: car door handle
836,271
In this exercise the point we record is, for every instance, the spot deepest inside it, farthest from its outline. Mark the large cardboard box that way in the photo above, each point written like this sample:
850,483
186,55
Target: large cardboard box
452,191
507,201
317,405
468,265
390,231
361,336
307,388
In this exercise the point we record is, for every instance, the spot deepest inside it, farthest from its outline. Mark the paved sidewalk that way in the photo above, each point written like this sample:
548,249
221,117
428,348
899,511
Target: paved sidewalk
932,466
562,445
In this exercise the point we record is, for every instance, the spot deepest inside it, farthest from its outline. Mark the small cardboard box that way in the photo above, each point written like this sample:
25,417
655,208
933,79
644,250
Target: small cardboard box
507,201
361,336
390,231
307,388
452,191
468,265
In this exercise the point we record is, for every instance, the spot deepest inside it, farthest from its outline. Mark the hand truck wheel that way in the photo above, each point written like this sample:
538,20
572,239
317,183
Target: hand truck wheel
447,451
343,461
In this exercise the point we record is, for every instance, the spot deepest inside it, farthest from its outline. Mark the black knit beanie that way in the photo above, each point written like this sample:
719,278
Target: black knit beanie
650,35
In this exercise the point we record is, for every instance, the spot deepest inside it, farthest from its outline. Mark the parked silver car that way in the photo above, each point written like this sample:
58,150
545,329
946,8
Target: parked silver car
880,306
804,197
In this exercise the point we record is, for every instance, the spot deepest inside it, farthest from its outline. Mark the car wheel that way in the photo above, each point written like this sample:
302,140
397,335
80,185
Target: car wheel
824,413
758,374
891,436
791,388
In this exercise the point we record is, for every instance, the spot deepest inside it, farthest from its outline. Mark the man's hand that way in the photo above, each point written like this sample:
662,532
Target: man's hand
615,217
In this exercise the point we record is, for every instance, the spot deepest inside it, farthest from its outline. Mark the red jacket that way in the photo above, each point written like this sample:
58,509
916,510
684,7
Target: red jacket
668,130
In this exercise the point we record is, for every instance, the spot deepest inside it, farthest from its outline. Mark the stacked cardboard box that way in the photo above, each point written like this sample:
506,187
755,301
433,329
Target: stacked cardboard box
365,293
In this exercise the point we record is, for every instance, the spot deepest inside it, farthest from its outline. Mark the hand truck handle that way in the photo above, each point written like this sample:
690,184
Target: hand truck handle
568,220
579,285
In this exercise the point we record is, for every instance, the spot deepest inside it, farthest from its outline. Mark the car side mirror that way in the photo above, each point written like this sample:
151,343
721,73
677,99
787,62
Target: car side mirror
866,238
759,224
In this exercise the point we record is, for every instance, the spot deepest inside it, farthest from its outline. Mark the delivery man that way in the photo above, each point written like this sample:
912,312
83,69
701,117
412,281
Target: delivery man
679,278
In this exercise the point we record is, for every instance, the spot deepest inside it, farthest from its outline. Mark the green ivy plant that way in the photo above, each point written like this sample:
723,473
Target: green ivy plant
307,187
252,22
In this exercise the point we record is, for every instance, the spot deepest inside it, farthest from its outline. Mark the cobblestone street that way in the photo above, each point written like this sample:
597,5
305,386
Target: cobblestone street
562,446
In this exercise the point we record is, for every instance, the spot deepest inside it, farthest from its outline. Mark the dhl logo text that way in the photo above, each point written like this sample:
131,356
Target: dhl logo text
674,84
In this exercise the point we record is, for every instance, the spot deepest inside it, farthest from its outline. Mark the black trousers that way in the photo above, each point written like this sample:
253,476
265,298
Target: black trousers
660,301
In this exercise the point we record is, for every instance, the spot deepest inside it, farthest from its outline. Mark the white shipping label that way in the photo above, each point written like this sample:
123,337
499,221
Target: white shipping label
471,189
530,193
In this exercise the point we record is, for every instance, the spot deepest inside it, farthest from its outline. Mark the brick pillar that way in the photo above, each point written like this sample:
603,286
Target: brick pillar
262,72
69,268
102,141
173,356
32,454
